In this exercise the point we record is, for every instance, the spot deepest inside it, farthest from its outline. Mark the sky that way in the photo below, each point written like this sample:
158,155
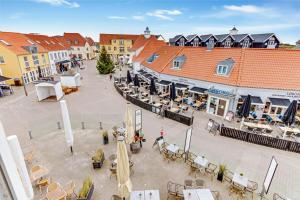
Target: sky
165,17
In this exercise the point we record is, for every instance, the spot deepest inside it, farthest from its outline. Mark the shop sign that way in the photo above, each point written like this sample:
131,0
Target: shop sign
288,95
220,92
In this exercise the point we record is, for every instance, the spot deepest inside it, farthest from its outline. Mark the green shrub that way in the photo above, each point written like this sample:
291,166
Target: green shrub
98,155
85,188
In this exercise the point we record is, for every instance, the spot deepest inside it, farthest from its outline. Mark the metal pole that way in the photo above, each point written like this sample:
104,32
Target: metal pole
30,135
58,125
24,85
100,125
82,125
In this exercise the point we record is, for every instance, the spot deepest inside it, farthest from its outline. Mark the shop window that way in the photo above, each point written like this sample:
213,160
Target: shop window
273,110
279,110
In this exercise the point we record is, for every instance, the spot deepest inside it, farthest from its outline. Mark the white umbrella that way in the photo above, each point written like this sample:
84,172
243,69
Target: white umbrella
123,170
129,133
67,124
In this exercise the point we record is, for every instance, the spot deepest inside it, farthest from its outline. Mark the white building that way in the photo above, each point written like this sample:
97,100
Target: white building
79,46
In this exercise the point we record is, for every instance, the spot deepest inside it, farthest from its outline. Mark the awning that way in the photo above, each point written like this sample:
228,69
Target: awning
279,102
197,90
164,83
181,86
63,62
3,78
254,99
147,76
142,72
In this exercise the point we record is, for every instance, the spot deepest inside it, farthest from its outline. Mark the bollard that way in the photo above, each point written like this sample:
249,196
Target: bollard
82,125
58,125
30,135
100,125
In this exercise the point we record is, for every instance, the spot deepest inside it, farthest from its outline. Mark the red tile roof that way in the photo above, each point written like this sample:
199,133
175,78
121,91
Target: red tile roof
51,44
105,39
73,37
17,41
254,68
90,41
62,40
150,47
141,41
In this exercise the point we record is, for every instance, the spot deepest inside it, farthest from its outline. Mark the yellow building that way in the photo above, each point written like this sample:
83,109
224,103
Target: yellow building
117,45
22,59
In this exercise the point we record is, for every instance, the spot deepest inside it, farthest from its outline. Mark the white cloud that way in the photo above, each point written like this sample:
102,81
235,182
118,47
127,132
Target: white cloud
16,15
117,17
138,17
245,8
164,14
60,3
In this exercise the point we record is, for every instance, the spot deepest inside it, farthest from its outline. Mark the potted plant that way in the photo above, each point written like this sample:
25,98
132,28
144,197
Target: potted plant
105,137
221,172
86,190
98,159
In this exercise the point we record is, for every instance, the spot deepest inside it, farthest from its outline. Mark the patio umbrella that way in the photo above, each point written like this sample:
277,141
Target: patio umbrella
123,171
129,79
67,124
129,133
136,81
244,111
172,93
289,115
152,89
40,72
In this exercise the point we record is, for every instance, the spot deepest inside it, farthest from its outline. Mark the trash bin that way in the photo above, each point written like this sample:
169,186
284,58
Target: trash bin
17,82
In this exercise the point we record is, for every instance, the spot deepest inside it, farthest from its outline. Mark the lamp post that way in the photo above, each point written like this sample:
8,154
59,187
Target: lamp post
24,84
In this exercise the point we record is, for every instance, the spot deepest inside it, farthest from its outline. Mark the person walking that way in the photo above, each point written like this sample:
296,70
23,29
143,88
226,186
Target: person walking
110,76
161,137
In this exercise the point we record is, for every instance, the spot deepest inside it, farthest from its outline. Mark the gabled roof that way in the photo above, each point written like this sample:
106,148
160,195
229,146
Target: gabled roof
17,41
222,37
191,37
206,37
90,41
148,50
174,39
240,37
165,55
142,41
262,37
62,41
51,44
72,37
105,39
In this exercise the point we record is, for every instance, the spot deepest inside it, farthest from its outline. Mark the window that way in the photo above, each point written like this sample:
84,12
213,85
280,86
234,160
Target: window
30,41
5,42
196,42
176,64
152,58
32,77
59,57
78,49
35,59
55,56
271,41
121,49
51,56
227,42
69,41
75,41
66,54
222,69
121,42
43,58
181,42
2,60
25,78
114,41
246,43
87,48
115,48
211,40
26,61
72,48
109,48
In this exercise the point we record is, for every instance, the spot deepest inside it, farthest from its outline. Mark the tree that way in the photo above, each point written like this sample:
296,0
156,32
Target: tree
104,63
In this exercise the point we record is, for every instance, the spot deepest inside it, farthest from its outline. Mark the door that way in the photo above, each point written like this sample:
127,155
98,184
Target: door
221,107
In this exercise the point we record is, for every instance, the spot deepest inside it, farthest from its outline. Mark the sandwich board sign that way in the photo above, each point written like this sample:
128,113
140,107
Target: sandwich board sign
269,176
138,119
187,143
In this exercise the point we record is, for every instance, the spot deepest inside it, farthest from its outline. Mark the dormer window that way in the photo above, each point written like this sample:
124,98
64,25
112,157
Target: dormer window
227,42
246,43
152,58
5,42
211,40
75,41
178,62
47,42
30,42
222,69
181,42
271,41
196,42
69,41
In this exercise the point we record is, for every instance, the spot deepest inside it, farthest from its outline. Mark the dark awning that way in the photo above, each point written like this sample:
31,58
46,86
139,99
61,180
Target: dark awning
254,99
164,82
197,90
147,76
141,72
3,78
279,102
63,62
181,86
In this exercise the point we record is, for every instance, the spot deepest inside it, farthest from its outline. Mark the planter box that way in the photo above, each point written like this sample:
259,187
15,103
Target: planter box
98,165
89,195
135,147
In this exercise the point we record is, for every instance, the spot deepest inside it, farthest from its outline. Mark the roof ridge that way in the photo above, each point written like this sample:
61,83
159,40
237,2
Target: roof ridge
240,68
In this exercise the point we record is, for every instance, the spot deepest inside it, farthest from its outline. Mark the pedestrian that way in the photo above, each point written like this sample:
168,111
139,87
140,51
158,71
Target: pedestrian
161,137
110,76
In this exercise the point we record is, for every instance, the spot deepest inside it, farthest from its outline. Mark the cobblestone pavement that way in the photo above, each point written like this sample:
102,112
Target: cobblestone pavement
98,101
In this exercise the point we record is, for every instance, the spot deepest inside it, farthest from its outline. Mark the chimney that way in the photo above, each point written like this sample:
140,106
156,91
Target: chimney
147,33
233,31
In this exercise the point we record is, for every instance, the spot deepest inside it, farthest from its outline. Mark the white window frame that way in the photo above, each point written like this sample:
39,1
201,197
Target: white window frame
2,61
196,42
222,67
181,42
246,43
44,58
271,41
26,62
176,64
227,42
35,59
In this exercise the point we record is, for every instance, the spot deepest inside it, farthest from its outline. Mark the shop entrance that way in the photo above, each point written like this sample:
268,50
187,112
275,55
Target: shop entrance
217,106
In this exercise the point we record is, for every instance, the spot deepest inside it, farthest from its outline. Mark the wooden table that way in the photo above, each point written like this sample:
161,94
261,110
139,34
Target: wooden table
57,194
42,171
164,95
166,102
175,110
198,194
240,180
178,99
256,125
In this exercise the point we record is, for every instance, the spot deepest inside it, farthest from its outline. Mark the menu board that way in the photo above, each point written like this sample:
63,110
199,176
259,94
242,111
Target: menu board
138,120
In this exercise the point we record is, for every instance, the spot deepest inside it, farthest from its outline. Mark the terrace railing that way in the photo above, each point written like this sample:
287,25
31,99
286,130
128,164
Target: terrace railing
273,142
171,115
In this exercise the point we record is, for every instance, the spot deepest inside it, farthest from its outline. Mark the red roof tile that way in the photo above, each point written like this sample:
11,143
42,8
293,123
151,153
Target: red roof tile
75,39
90,41
62,40
51,44
105,39
141,41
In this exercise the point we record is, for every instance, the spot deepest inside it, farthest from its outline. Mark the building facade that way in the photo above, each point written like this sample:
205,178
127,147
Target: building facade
92,49
80,48
226,76
23,60
57,52
231,39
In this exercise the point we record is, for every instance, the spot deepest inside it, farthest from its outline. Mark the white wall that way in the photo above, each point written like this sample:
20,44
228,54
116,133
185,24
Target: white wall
56,56
71,81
